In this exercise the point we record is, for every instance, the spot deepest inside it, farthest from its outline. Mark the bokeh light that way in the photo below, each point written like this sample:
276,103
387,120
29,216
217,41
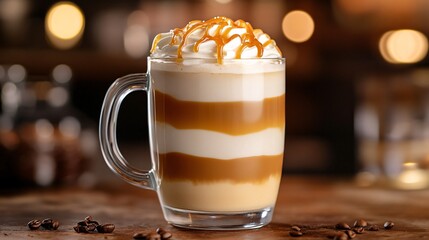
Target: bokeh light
70,127
298,26
136,35
64,24
2,73
403,46
223,1
13,10
58,96
16,73
62,73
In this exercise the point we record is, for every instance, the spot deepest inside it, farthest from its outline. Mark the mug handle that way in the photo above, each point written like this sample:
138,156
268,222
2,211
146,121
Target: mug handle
107,131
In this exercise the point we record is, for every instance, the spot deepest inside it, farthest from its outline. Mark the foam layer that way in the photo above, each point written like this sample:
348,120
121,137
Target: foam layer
237,66
220,196
218,85
211,144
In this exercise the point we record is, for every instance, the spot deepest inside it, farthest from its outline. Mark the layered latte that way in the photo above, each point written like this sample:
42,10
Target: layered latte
219,122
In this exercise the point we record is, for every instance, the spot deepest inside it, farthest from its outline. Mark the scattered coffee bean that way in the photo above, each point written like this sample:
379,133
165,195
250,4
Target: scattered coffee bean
337,236
164,233
359,230
93,222
296,228
55,225
81,229
341,236
295,233
342,226
50,224
359,227
47,223
82,223
350,234
153,236
389,225
91,227
106,228
34,224
360,223
373,228
139,235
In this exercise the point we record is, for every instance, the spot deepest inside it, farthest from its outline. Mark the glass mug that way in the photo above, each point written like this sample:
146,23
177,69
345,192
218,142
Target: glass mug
216,138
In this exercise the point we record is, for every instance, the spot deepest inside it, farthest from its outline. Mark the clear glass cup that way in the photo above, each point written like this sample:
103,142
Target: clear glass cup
216,138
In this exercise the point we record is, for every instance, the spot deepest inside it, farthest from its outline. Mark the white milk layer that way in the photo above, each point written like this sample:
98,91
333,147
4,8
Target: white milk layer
219,86
210,144
220,196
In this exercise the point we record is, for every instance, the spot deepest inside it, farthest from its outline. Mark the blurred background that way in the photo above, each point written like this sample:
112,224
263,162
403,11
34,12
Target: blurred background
357,84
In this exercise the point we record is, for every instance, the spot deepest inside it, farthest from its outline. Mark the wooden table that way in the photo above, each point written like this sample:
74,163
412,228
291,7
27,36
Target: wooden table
314,203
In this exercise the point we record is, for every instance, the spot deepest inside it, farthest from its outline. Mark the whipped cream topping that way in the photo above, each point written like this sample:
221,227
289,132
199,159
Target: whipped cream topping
217,38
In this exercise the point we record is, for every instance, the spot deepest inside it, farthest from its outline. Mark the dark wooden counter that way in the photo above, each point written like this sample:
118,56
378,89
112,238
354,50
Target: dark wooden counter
314,203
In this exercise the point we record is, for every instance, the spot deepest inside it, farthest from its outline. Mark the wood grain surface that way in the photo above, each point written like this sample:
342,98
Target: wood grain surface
313,203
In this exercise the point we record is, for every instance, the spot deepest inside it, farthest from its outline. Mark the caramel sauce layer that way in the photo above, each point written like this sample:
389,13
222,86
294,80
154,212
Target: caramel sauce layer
234,118
178,166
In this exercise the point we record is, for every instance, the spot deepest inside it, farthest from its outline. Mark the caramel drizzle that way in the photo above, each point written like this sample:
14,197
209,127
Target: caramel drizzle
220,36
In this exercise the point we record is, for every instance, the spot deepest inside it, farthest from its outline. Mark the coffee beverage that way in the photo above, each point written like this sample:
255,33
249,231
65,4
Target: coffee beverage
219,124
220,138
216,93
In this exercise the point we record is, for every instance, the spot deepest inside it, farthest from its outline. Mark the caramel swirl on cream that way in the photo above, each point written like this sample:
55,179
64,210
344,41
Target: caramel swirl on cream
218,37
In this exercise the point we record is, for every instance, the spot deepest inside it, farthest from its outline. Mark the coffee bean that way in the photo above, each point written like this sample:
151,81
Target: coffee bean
296,228
81,229
342,226
93,222
34,224
139,235
389,225
91,227
359,230
337,236
373,228
153,236
295,233
47,223
360,223
350,234
88,218
82,223
341,236
106,228
55,225
164,233
160,230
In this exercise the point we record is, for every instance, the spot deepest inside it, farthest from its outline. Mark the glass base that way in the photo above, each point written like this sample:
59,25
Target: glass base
218,221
